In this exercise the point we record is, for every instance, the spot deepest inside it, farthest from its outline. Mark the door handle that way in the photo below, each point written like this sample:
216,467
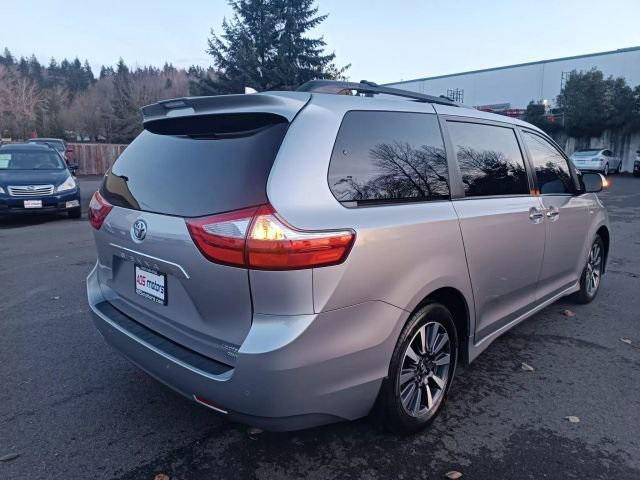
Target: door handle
535,215
553,213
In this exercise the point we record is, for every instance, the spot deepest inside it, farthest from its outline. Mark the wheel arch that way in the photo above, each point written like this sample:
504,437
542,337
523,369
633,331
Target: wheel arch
455,301
603,233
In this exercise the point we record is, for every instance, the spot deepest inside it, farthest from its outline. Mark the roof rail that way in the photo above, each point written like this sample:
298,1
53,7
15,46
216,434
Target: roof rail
338,87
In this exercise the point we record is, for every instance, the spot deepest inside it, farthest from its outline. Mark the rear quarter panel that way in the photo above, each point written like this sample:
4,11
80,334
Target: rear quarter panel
401,253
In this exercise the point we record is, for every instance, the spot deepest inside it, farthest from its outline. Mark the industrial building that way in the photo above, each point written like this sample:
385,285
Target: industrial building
513,87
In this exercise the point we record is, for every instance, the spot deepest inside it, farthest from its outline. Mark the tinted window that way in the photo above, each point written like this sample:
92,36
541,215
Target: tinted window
552,170
30,160
57,144
197,166
489,158
389,156
586,153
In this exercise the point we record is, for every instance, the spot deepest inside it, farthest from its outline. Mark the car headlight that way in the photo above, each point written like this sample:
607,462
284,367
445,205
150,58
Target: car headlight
68,184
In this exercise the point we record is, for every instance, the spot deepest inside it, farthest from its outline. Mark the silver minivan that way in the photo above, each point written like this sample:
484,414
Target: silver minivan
291,259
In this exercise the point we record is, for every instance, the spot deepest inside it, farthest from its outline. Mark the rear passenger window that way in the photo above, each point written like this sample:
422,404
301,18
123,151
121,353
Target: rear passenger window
387,157
552,170
489,158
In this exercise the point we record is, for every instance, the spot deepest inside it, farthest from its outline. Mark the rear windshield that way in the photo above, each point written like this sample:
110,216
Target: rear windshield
30,160
586,153
58,145
197,167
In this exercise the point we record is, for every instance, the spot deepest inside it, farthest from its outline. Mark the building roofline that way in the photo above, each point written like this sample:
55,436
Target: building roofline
527,64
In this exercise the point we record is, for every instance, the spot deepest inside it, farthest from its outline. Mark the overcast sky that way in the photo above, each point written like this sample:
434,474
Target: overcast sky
384,41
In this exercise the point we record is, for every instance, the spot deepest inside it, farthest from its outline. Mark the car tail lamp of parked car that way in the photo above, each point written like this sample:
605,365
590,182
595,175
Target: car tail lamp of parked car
99,208
257,238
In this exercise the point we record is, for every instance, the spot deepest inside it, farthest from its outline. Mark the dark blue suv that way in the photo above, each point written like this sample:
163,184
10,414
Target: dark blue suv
35,178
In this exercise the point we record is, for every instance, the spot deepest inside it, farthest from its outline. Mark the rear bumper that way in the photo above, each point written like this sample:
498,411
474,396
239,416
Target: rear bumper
292,372
50,203
590,168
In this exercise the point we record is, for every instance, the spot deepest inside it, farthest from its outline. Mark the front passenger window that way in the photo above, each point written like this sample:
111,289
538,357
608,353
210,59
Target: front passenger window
551,168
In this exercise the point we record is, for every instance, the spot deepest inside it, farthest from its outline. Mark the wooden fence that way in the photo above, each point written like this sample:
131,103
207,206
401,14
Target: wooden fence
94,158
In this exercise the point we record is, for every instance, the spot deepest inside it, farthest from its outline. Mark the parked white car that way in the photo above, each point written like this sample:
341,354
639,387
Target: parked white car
596,160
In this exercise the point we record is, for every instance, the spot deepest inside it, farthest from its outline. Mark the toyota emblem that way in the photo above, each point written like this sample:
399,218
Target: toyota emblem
139,230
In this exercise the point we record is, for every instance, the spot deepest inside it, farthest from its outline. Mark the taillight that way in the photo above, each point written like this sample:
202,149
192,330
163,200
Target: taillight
274,245
257,238
222,238
99,208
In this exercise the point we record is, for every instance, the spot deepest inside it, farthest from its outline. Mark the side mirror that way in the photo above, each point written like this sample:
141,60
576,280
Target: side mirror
73,169
593,182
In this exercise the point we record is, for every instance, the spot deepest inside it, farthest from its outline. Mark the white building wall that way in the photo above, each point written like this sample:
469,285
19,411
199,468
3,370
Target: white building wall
519,84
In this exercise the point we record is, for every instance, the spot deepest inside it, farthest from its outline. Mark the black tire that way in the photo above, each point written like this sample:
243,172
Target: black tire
587,293
619,169
75,212
392,407
605,171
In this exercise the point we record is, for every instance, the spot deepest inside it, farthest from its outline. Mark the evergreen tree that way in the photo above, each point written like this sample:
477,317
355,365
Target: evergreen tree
23,67
88,73
126,121
76,79
299,58
54,74
6,58
106,72
49,118
65,66
264,47
245,52
168,68
200,80
36,71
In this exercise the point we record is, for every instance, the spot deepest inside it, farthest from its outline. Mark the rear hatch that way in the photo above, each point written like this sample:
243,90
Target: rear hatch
586,158
196,157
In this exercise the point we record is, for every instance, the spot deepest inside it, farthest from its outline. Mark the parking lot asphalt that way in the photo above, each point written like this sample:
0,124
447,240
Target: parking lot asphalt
72,408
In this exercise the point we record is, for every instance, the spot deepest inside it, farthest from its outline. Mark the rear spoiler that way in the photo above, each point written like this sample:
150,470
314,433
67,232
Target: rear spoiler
285,104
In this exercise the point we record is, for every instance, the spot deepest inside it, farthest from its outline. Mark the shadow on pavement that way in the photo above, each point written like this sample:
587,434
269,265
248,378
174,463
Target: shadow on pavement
18,221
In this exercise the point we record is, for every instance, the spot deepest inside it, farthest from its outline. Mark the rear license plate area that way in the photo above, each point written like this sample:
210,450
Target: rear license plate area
151,284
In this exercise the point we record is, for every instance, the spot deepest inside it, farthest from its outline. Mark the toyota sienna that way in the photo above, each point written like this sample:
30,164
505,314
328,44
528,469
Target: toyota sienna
290,259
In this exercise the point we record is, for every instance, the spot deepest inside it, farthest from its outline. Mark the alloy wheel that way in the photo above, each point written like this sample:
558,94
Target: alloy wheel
593,269
425,369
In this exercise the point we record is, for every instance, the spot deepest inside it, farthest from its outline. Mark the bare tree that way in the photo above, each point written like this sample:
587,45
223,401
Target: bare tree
19,100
